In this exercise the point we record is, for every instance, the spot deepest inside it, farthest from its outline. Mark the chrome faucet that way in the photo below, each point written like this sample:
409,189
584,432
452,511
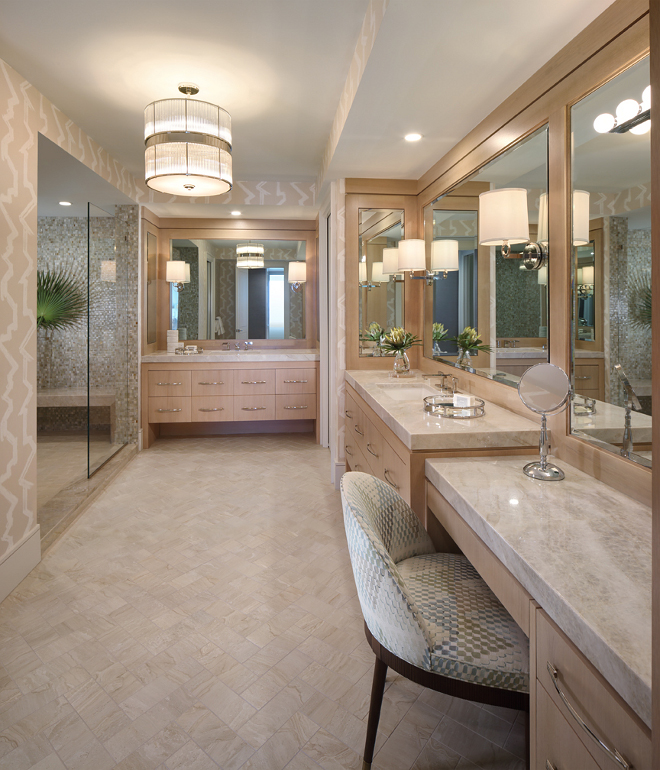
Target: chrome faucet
631,402
248,345
225,346
237,345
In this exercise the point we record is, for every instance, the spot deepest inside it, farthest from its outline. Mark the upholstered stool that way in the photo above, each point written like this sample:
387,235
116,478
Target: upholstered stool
429,616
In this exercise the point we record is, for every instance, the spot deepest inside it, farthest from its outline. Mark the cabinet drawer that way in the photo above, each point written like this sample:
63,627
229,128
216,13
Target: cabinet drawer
296,381
173,383
169,409
247,382
357,462
587,376
374,447
357,426
592,697
395,472
212,383
211,408
254,408
300,407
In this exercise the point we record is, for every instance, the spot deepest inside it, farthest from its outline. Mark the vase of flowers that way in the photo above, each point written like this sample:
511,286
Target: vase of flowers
373,334
396,343
439,334
467,342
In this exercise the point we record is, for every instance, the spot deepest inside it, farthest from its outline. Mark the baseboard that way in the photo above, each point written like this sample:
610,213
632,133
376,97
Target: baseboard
19,562
339,471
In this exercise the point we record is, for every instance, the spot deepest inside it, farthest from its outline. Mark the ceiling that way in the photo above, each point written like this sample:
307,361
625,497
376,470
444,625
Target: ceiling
279,67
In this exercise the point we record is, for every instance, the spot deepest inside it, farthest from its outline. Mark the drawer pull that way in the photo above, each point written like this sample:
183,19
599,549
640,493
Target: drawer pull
253,382
583,377
549,765
613,753
214,409
389,481
348,414
358,431
210,383
168,410
294,381
296,407
357,466
370,450
169,383
252,408
347,449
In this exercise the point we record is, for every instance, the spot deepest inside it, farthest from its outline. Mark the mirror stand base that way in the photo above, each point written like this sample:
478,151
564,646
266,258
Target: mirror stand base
547,472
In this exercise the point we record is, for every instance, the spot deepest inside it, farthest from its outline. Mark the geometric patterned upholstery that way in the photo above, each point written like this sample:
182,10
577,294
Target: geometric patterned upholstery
430,609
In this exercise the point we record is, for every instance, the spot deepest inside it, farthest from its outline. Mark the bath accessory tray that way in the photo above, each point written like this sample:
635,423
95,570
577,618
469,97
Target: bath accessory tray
439,406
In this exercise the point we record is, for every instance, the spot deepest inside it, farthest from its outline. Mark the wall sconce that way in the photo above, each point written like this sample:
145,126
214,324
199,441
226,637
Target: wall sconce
250,255
444,257
391,264
177,272
504,221
580,219
412,255
630,116
297,275
363,280
109,270
586,281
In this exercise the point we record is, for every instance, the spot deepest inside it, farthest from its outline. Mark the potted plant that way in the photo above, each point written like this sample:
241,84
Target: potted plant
396,343
467,342
439,334
375,334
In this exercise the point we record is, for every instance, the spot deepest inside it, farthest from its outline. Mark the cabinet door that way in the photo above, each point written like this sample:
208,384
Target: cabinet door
296,381
169,409
248,382
169,383
213,382
211,409
254,408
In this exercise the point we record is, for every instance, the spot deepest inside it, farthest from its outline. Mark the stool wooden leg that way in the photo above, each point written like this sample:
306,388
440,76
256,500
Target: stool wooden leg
377,689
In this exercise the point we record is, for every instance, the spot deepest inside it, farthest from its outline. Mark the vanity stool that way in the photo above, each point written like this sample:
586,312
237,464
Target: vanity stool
429,616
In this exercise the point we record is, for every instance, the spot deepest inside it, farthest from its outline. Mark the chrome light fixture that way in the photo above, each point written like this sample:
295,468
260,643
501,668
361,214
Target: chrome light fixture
297,275
630,116
177,272
250,255
187,146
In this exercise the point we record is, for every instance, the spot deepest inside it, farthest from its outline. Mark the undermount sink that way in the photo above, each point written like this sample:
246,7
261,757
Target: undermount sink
408,391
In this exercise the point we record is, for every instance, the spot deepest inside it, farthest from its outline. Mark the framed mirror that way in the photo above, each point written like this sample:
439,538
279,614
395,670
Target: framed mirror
380,287
611,265
239,289
493,284
151,255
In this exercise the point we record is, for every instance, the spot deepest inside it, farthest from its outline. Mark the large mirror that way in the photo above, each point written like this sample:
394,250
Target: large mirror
238,289
611,170
381,289
482,273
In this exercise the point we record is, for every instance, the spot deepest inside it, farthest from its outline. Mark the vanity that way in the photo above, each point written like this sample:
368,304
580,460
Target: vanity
260,391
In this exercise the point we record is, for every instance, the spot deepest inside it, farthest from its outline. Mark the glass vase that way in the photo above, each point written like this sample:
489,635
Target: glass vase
464,358
401,363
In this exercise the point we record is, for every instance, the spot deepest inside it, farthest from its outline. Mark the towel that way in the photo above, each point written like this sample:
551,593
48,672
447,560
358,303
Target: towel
219,326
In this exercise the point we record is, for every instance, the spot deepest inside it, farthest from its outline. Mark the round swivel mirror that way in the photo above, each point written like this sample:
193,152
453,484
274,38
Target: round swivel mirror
544,389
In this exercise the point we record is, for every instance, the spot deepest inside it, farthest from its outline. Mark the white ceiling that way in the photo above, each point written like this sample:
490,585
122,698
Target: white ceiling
279,67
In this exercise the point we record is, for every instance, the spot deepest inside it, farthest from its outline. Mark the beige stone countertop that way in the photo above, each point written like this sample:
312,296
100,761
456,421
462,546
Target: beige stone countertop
580,548
399,404
234,356
529,352
608,422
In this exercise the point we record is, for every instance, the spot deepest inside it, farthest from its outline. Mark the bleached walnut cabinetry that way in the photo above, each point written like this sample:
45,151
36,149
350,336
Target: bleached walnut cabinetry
186,398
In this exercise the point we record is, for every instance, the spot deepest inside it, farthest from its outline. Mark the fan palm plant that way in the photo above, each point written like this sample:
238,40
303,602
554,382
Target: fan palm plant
61,299
640,299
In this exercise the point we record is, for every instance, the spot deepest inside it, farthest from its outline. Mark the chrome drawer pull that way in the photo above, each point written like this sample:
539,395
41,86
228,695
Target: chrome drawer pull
389,481
169,383
252,408
215,409
210,383
168,410
253,382
370,450
357,466
347,450
613,753
294,381
583,377
357,430
296,407
549,765
348,414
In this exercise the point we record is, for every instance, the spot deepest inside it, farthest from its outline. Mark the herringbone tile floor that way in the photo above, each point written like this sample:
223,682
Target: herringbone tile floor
202,614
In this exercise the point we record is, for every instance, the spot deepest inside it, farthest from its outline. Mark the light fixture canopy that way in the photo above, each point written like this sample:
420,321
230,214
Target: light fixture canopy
188,146
444,256
297,274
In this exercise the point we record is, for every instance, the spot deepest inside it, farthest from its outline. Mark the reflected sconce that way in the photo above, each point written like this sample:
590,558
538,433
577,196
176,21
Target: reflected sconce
412,257
586,281
250,255
109,270
630,116
363,280
297,275
377,274
391,264
580,219
177,272
188,146
542,275
444,257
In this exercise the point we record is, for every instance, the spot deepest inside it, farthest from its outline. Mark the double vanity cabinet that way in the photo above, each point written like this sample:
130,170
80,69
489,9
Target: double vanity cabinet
229,393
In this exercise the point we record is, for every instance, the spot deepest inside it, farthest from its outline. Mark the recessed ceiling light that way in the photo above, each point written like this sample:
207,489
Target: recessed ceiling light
64,203
236,213
412,137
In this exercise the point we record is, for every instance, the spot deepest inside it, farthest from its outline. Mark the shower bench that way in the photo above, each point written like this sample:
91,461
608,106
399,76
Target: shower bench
78,397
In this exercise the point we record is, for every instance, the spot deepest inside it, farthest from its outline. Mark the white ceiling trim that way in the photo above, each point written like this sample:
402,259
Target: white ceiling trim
370,26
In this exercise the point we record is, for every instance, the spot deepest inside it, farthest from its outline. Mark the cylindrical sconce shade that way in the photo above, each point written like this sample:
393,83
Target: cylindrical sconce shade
109,271
503,216
580,217
390,261
297,272
542,274
542,235
187,278
377,275
587,275
362,274
444,255
175,271
412,254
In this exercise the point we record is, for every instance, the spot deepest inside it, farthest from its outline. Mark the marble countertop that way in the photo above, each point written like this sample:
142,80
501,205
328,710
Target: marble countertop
521,352
234,356
608,423
400,405
587,565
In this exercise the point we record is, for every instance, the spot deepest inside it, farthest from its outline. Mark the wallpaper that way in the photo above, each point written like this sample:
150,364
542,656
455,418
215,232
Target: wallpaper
225,297
189,295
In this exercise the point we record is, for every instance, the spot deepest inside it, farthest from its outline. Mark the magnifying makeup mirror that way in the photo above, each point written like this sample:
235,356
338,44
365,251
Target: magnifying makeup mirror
544,389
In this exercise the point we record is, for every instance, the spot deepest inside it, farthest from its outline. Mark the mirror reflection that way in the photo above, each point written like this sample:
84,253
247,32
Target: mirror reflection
381,288
498,218
611,373
237,289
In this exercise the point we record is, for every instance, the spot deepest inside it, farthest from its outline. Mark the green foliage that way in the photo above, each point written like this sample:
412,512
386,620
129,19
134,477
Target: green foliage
439,332
469,339
373,333
399,339
639,299
61,299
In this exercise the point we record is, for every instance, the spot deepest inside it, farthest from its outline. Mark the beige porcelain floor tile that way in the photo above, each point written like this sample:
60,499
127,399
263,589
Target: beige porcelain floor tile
190,757
212,735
